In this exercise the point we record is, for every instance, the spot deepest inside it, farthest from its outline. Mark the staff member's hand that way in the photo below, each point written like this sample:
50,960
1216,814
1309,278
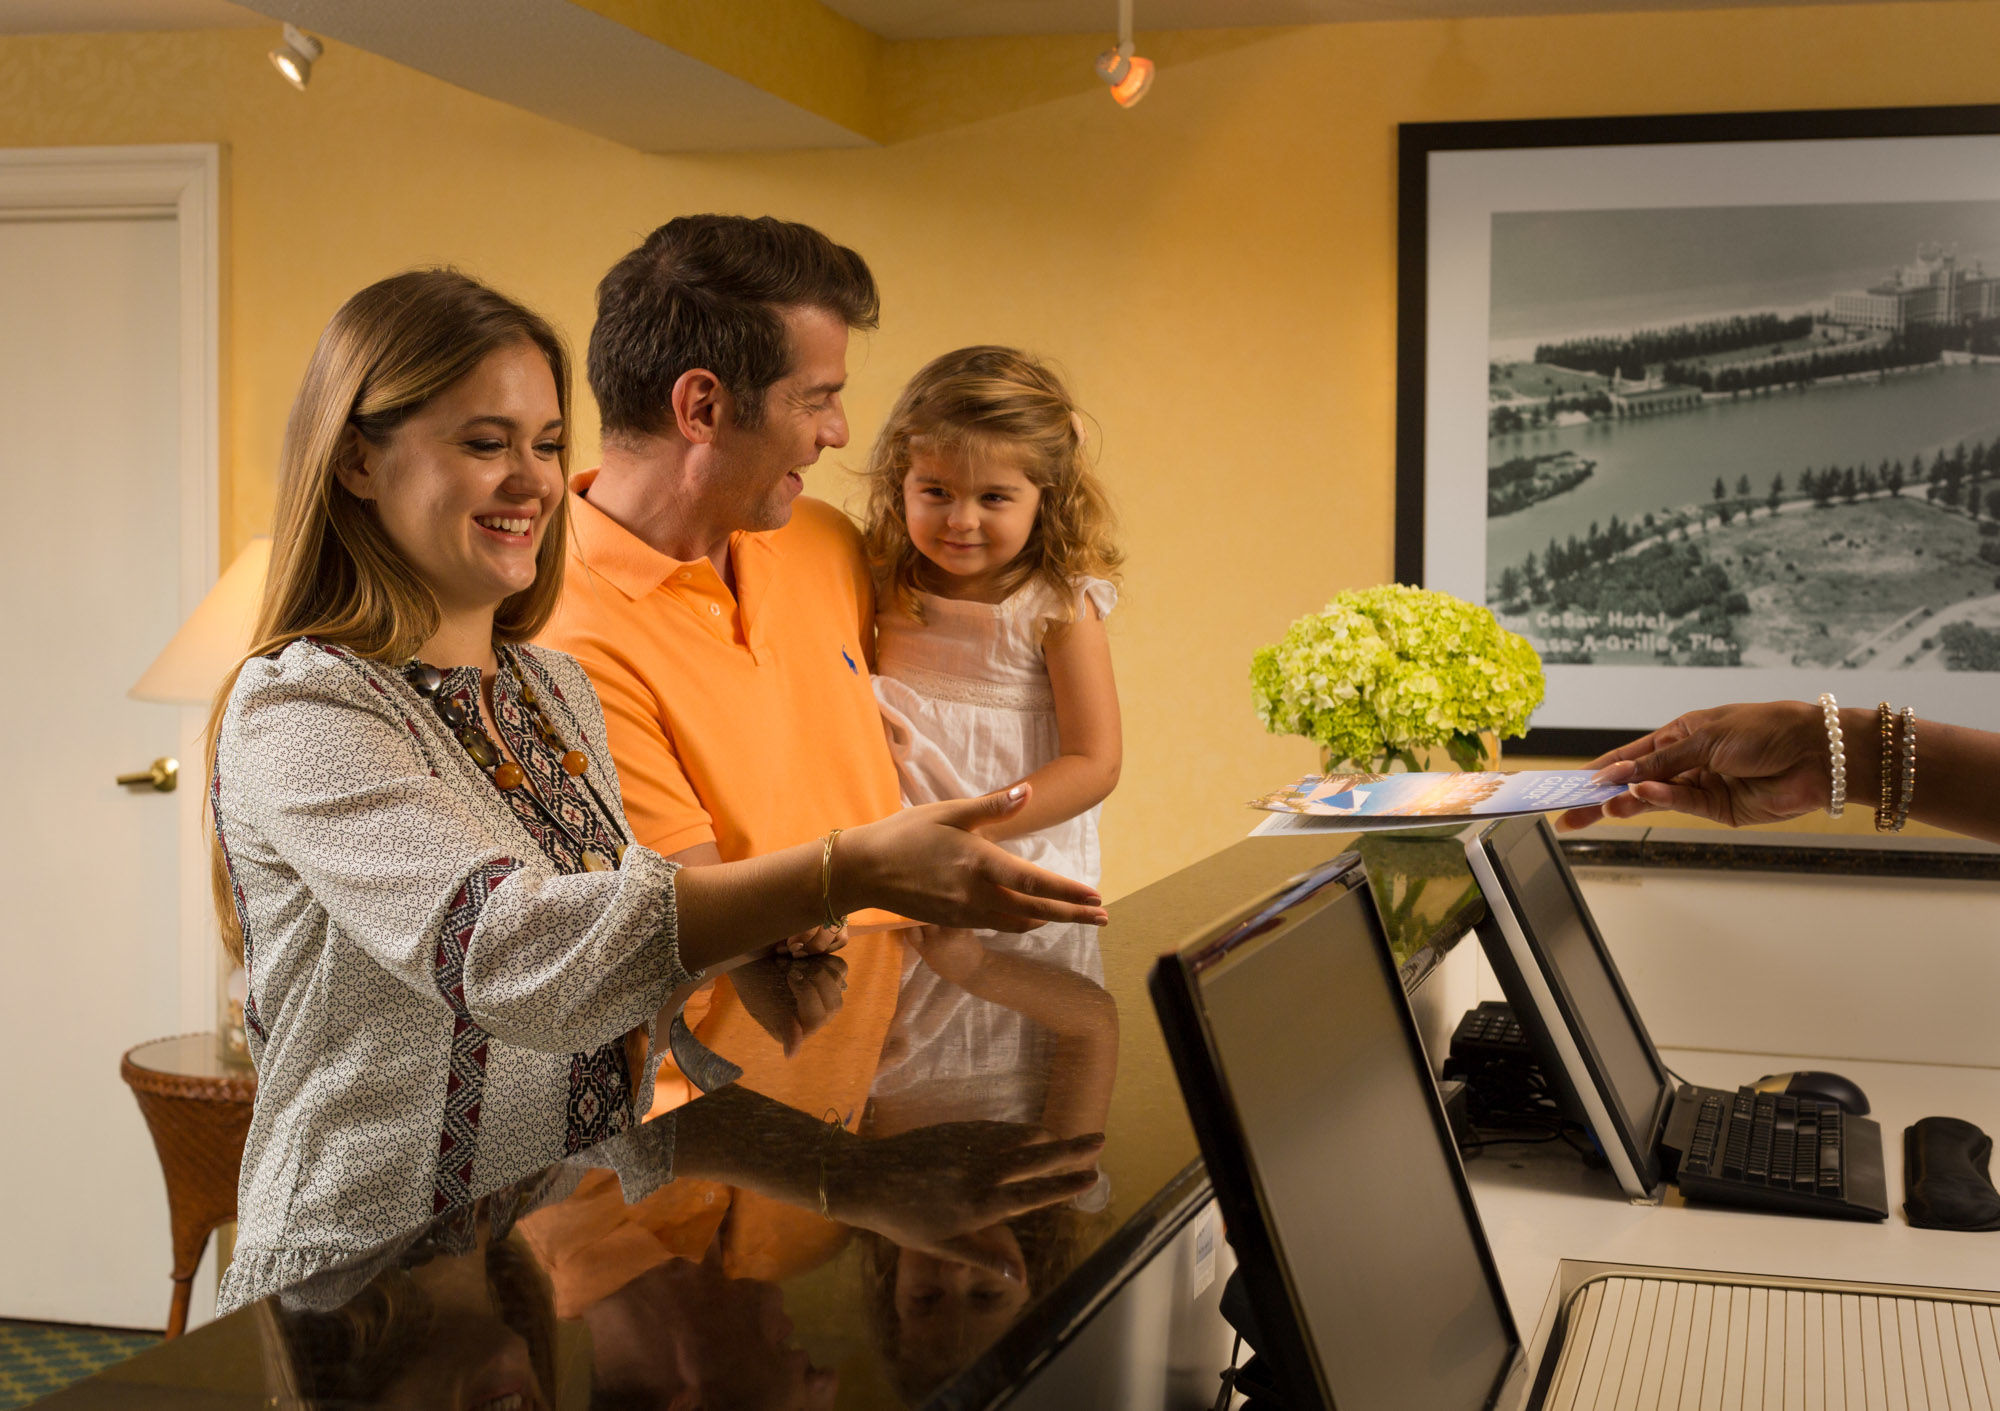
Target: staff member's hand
1735,764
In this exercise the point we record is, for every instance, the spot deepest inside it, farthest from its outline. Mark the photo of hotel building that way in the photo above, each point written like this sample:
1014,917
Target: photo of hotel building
1932,290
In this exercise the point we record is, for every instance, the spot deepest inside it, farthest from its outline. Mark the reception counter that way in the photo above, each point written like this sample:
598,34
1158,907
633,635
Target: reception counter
723,1276
560,1290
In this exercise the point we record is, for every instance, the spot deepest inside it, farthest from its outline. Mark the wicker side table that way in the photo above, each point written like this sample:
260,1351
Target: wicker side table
197,1106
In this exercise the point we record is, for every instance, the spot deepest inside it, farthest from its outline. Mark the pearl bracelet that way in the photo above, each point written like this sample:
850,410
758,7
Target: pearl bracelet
1836,754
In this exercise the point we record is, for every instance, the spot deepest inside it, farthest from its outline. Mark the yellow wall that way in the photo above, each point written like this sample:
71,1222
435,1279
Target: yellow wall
1216,268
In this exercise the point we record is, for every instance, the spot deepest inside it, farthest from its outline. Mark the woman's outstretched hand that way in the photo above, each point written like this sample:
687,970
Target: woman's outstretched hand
1735,764
929,864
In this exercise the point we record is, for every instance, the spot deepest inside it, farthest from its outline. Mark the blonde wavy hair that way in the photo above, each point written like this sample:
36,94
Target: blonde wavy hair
992,401
334,573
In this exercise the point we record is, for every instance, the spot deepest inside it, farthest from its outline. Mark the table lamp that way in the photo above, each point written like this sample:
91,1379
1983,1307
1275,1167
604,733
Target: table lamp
213,639
187,672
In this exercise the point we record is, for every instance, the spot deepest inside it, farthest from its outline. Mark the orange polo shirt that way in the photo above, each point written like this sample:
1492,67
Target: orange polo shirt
745,719
741,719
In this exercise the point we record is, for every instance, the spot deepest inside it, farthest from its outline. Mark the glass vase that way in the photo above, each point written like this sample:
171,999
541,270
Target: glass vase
1404,864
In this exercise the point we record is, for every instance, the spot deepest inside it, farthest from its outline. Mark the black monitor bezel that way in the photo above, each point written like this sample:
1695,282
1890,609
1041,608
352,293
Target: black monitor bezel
1175,986
1642,1146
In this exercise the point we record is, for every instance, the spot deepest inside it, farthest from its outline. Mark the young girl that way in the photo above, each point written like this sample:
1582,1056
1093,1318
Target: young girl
990,536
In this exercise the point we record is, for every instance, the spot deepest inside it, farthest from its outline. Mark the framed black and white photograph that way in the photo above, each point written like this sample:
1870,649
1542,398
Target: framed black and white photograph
1708,408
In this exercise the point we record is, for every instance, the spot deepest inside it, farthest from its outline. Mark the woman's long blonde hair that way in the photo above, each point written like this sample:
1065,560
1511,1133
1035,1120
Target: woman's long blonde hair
334,573
992,401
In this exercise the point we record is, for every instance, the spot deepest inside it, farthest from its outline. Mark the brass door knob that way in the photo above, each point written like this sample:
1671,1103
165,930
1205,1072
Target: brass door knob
163,776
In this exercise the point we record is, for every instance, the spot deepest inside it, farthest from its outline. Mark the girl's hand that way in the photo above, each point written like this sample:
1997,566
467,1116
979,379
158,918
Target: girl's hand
926,864
1735,764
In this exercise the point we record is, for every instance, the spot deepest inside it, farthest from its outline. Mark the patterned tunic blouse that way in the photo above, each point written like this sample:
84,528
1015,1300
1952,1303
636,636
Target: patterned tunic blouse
438,990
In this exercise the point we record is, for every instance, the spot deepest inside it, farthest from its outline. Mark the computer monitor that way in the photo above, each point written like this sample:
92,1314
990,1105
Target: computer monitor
1368,1273
1555,971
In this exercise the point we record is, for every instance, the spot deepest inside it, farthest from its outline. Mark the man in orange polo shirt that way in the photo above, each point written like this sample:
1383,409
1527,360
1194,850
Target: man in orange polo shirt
726,622
728,625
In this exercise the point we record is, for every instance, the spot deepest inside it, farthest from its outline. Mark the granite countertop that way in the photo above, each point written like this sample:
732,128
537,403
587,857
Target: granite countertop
723,1276
698,1253
695,1254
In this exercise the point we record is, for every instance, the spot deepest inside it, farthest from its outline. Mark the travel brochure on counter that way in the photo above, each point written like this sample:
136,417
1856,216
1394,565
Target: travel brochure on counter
1346,803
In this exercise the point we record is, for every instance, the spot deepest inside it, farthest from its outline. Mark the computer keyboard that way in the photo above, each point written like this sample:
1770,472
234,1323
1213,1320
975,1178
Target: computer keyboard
1782,1153
1490,1032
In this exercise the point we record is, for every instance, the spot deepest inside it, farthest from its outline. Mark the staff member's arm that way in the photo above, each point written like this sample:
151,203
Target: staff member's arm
1767,762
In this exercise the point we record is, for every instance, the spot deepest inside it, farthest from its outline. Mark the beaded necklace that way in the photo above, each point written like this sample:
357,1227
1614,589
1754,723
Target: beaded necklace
508,776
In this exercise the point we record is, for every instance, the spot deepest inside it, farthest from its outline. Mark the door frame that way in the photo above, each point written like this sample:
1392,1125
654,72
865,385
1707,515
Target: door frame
181,182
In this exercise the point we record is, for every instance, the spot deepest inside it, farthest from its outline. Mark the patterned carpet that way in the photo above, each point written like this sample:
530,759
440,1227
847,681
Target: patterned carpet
38,1358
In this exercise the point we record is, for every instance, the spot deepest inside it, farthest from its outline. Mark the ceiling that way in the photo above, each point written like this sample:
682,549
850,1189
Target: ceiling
893,19
700,75
572,64
948,19
106,16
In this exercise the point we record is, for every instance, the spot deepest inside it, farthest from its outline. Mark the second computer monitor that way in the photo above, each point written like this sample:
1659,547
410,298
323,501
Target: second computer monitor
1554,969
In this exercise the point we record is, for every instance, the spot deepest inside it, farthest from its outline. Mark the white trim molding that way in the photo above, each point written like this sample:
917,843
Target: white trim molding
182,183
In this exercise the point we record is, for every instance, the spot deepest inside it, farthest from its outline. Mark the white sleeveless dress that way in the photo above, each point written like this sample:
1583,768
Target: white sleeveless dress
966,703
967,706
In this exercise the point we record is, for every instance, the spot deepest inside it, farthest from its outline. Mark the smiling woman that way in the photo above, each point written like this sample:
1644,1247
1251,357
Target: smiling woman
457,962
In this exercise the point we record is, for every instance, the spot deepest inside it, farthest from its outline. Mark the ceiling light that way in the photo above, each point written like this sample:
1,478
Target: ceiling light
1128,74
294,57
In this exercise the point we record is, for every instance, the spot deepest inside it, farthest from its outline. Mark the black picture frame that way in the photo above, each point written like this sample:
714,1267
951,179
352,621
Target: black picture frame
1418,143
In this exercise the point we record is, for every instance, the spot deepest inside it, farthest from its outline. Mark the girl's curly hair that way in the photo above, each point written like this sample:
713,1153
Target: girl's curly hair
992,401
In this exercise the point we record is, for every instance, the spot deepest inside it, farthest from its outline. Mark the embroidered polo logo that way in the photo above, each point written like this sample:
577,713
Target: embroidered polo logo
850,662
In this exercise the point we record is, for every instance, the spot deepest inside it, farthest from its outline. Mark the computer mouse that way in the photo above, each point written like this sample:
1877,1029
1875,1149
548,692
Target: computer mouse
1826,1087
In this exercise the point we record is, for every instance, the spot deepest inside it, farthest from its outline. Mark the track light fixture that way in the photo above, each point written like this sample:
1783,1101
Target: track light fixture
1128,74
294,57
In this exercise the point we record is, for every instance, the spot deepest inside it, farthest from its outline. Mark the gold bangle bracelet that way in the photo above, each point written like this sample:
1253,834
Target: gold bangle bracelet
828,918
829,1124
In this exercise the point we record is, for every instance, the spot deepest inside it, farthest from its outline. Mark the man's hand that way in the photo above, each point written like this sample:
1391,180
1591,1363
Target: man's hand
819,941
791,999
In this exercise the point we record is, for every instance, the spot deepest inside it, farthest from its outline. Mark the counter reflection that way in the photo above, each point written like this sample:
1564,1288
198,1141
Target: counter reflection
761,1247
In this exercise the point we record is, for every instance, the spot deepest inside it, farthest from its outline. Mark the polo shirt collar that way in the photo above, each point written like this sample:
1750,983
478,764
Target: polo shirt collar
635,568
608,550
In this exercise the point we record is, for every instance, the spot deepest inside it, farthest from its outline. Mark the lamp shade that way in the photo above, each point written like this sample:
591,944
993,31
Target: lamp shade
214,637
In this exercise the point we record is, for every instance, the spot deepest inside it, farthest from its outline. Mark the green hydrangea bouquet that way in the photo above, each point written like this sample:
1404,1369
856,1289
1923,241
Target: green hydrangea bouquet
1386,672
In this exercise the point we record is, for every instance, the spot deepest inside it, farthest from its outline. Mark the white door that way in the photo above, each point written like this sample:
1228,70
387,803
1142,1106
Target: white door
91,398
